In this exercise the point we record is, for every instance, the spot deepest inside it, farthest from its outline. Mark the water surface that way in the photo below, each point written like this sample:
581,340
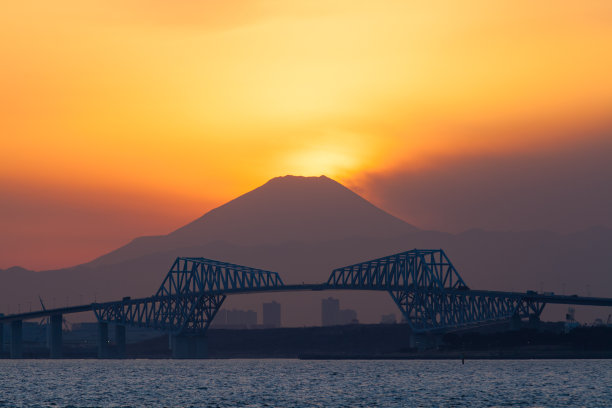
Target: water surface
295,383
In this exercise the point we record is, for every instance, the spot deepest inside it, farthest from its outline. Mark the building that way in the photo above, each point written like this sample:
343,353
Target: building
272,314
332,315
330,308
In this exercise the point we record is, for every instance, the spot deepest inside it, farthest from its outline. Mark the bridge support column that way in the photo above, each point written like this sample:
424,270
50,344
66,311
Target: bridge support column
189,346
16,339
1,339
103,346
55,336
120,340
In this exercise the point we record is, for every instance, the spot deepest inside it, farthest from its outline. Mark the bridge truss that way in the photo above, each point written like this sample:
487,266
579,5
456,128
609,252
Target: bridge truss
429,291
189,297
424,284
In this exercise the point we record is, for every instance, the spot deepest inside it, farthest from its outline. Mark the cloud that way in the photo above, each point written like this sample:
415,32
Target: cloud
559,189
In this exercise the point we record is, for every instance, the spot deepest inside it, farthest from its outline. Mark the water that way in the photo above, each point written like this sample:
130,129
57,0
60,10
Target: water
295,383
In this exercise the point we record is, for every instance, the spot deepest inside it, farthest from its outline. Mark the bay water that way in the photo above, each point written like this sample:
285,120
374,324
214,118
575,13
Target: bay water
312,383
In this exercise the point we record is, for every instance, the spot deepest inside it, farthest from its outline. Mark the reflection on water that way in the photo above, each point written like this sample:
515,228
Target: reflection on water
291,383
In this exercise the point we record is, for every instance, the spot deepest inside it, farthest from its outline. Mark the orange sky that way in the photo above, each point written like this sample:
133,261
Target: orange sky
124,118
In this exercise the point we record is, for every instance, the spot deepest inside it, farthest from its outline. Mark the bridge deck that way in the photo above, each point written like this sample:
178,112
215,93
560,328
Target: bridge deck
544,298
46,313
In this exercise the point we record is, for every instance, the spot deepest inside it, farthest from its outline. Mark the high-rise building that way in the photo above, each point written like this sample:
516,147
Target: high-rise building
332,315
329,311
272,314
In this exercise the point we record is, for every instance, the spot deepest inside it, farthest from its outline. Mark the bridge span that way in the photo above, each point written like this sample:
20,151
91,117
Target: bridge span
424,284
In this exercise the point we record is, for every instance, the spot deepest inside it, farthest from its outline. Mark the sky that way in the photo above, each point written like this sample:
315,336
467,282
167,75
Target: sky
127,118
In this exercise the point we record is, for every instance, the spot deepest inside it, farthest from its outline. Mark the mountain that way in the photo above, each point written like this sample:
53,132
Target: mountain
285,209
303,227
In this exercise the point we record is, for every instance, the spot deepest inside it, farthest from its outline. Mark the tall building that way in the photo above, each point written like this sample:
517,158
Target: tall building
332,315
272,314
330,309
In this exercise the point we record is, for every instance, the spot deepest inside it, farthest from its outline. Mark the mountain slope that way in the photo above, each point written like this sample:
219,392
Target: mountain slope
285,209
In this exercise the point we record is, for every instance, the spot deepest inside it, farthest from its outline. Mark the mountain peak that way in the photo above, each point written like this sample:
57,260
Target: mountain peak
300,180
295,208
284,209
291,177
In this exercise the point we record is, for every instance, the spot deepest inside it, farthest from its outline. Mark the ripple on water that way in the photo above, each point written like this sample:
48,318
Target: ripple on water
293,383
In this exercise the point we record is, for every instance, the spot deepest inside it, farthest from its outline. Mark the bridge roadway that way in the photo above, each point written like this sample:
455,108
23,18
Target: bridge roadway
543,298
56,315
430,293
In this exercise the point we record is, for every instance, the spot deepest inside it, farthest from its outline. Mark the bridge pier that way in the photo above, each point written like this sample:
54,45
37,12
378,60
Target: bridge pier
189,346
16,339
1,339
120,340
55,336
103,346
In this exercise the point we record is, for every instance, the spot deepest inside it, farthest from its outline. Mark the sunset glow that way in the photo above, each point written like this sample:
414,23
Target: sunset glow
157,111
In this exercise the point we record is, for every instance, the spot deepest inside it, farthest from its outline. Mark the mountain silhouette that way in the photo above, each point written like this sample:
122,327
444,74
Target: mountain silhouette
303,227
285,209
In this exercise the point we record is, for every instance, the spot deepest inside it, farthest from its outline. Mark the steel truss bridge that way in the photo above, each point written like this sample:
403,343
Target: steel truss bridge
423,283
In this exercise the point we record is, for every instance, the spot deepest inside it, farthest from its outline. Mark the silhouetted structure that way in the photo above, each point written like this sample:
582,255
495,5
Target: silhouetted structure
332,315
330,308
424,284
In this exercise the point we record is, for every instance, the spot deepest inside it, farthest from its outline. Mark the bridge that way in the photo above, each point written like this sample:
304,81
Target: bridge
423,283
